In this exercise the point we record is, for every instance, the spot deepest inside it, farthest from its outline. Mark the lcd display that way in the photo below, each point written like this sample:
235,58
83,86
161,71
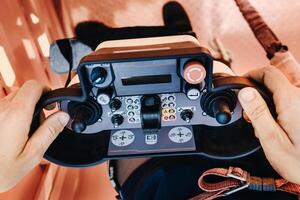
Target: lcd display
143,80
146,77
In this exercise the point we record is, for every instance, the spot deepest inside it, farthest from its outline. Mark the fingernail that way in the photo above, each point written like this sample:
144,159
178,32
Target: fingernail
64,118
247,94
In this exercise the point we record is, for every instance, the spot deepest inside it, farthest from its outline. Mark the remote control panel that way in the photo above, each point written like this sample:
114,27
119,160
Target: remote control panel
151,97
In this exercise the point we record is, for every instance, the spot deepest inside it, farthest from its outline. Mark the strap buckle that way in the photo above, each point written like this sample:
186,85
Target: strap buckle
244,179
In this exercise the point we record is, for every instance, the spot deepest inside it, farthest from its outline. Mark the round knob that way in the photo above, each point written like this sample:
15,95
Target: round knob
115,104
117,120
221,111
187,115
194,72
98,75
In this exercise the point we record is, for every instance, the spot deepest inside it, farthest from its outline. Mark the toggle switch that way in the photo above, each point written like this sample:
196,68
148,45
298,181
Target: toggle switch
187,115
115,104
117,120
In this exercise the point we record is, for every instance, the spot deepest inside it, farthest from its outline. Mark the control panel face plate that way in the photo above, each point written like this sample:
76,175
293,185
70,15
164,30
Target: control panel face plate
172,104
167,139
107,123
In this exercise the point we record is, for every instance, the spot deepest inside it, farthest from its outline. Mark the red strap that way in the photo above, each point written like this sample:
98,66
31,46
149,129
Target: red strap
236,179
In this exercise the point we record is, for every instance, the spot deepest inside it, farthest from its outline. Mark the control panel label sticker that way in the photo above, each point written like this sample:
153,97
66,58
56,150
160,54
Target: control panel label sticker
110,114
151,139
180,134
167,139
192,108
193,94
122,138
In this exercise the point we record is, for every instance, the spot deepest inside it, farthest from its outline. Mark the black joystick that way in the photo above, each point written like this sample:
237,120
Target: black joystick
84,114
219,105
221,111
78,124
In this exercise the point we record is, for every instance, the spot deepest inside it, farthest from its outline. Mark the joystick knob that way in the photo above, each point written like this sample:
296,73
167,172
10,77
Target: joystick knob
78,124
221,111
117,120
187,115
194,72
84,114
219,105
98,75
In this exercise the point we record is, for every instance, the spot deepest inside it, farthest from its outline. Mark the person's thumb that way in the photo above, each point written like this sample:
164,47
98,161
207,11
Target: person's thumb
45,135
257,111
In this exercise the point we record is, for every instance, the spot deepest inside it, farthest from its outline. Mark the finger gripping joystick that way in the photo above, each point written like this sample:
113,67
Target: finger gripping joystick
219,105
83,114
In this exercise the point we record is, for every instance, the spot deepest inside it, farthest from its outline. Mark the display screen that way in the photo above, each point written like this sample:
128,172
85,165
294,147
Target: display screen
146,77
143,80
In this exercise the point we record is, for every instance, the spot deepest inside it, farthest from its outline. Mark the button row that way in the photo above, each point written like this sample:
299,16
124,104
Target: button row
133,107
169,118
171,105
133,100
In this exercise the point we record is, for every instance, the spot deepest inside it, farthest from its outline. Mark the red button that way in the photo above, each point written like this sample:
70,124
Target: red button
194,72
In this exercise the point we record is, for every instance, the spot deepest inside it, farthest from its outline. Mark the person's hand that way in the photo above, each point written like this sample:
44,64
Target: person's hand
18,153
280,138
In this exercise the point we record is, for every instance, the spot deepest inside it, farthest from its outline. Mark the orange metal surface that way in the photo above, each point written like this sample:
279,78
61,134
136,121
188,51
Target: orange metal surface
25,23
25,27
209,18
